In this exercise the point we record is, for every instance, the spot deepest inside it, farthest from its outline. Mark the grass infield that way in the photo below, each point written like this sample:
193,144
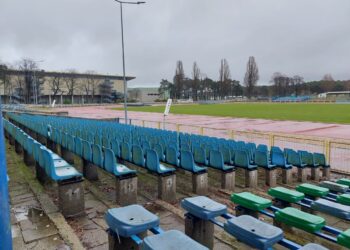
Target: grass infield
327,113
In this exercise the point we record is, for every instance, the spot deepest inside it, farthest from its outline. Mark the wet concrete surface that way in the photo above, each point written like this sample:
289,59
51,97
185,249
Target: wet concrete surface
31,227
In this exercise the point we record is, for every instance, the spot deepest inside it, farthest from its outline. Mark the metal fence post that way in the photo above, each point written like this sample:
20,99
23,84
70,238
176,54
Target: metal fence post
158,125
271,140
143,123
232,134
5,225
327,150
201,130
178,128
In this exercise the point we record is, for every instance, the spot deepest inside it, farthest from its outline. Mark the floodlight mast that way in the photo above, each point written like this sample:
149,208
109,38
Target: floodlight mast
123,56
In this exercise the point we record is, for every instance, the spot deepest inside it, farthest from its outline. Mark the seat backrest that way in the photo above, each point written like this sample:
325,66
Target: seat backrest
320,159
41,156
106,142
185,146
125,151
199,155
278,158
158,148
276,149
241,158
87,151
145,145
78,150
115,147
262,148
97,155
70,143
109,160
216,159
293,158
30,145
186,160
152,160
261,158
97,139
171,156
64,139
138,155
226,154
36,149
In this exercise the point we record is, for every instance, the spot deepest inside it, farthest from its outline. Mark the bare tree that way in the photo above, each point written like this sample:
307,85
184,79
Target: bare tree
91,84
224,78
179,79
29,87
71,83
328,78
55,84
195,82
297,82
251,76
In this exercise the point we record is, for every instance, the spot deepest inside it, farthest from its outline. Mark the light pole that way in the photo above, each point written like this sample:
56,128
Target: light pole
123,55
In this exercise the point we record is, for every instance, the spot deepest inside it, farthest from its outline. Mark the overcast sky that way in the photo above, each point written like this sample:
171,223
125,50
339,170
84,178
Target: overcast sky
305,37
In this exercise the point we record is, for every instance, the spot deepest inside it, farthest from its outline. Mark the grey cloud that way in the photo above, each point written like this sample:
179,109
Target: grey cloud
309,38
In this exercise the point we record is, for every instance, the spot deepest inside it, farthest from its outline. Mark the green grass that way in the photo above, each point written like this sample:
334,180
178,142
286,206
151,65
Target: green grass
327,113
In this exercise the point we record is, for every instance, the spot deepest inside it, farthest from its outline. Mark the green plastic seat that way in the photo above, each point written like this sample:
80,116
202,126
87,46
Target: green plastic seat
344,199
343,239
344,181
299,219
286,194
251,201
312,190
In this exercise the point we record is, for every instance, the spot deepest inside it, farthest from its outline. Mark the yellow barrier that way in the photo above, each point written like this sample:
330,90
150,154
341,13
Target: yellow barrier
337,151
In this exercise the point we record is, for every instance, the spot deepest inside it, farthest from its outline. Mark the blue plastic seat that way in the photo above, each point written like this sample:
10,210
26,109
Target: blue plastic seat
116,148
70,142
138,156
58,173
130,220
242,160
125,151
152,163
97,155
185,146
226,154
216,160
187,163
278,159
199,155
253,232
78,146
160,152
320,160
294,158
171,240
106,142
263,148
87,151
171,156
203,207
329,207
262,160
307,158
111,165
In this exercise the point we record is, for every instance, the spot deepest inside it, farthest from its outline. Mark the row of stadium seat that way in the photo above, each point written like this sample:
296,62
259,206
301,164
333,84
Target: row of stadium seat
207,151
49,166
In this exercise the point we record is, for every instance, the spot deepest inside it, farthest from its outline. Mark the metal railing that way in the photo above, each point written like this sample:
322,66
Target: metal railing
337,151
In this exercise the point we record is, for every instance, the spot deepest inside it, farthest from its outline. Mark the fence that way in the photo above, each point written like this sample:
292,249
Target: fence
337,151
